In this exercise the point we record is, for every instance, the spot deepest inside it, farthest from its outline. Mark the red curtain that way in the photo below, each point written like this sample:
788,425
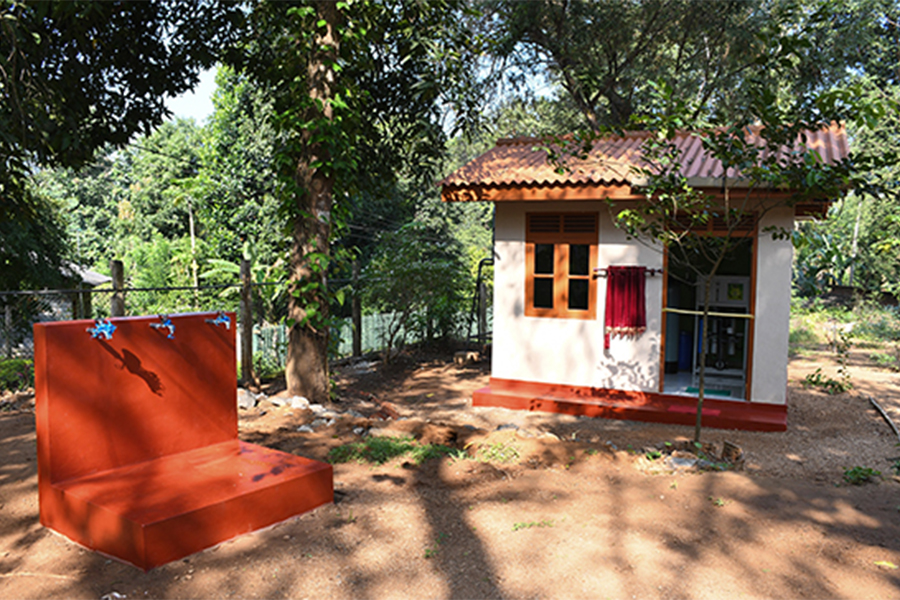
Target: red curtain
626,310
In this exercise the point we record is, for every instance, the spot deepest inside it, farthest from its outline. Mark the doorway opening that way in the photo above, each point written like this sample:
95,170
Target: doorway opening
727,357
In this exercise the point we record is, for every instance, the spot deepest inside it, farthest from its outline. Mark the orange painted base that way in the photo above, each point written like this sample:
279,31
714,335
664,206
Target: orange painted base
138,450
159,511
631,406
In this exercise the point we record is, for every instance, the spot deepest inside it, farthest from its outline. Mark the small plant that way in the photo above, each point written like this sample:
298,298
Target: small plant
884,360
458,454
828,384
432,551
501,452
888,360
420,453
530,524
266,365
380,450
16,374
842,343
860,475
718,502
653,454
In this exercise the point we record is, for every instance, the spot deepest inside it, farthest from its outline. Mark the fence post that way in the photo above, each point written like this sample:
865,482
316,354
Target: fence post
482,313
7,336
246,325
117,305
356,312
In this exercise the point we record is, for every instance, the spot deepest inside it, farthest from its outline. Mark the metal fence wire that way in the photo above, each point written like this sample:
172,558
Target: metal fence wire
20,310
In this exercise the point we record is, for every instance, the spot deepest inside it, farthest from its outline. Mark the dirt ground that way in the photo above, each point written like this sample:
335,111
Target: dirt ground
579,510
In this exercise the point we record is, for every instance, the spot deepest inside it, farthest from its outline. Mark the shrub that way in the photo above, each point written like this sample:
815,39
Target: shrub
860,475
16,374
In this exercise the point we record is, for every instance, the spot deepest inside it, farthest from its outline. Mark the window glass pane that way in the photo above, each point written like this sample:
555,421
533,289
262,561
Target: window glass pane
543,259
579,259
543,292
578,294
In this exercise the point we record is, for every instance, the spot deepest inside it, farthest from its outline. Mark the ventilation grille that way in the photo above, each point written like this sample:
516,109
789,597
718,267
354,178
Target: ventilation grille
544,223
562,223
583,223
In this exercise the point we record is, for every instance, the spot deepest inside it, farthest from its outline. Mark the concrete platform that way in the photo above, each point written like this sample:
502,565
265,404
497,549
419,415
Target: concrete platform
631,406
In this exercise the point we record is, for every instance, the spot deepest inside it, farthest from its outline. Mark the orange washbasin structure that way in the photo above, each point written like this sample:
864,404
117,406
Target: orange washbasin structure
138,450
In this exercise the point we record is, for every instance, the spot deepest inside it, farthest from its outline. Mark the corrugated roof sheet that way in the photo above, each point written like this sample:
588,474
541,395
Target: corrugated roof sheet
612,160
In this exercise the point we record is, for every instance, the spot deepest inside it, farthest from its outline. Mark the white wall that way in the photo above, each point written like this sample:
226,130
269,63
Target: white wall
773,310
570,351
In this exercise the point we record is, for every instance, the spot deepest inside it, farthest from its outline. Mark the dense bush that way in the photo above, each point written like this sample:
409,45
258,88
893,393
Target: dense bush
16,374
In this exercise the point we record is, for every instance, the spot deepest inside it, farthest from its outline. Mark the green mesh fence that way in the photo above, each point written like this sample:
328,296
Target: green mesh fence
20,310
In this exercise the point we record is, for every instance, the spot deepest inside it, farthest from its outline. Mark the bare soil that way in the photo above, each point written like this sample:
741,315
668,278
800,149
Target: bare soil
580,510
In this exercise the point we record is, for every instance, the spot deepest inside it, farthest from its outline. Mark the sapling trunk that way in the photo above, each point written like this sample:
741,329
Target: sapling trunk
704,342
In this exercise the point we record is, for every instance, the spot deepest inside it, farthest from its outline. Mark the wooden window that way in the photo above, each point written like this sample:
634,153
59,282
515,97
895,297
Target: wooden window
561,255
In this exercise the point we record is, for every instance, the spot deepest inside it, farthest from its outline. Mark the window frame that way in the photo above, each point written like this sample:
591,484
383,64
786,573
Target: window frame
561,239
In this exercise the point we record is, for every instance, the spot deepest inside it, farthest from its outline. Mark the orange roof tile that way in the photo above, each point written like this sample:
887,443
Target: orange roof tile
612,161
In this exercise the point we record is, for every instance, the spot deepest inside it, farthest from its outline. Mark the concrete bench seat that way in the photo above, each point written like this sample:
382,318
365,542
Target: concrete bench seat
138,455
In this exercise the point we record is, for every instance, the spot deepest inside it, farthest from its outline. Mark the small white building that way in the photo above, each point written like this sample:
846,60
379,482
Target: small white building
557,344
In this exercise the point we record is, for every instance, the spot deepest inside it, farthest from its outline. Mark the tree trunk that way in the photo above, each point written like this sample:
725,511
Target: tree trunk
306,372
704,348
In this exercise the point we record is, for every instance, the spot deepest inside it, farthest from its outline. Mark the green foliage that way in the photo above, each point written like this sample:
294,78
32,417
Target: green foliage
75,76
432,551
417,274
500,452
606,75
32,239
133,205
90,198
358,93
78,75
710,59
803,338
858,243
887,360
16,374
860,475
265,365
876,323
842,342
236,183
380,450
829,384
531,524
269,295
